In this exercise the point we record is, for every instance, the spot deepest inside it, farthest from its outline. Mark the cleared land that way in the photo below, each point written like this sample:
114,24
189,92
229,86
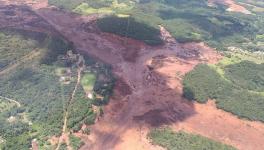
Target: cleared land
231,4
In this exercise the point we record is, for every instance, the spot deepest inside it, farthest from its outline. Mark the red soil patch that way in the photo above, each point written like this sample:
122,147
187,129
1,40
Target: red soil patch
130,51
22,17
222,126
231,4
34,144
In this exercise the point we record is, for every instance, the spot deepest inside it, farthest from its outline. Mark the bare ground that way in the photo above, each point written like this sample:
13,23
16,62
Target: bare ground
151,89
231,4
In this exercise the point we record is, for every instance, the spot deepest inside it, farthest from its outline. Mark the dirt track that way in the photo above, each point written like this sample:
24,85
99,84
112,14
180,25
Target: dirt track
65,135
153,96
11,100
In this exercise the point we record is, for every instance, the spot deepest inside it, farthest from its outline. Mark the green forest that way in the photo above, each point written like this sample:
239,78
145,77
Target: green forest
36,82
191,20
181,140
239,90
38,71
129,27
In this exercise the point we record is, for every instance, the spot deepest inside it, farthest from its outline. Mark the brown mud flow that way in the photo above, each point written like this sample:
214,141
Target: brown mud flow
149,90
22,17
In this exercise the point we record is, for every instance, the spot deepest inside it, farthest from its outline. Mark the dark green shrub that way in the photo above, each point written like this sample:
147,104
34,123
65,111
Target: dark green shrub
205,83
129,27
184,141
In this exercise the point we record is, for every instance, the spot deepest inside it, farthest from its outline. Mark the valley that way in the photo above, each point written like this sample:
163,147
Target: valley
149,83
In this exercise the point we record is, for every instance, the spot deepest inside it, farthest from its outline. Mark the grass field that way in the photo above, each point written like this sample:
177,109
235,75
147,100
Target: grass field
88,80
184,141
113,7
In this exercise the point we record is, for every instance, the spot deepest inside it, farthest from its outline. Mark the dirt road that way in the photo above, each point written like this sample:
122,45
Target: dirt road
11,100
65,134
149,90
